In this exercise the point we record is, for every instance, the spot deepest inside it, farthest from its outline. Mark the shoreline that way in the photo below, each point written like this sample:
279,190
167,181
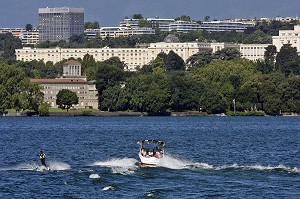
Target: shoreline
125,113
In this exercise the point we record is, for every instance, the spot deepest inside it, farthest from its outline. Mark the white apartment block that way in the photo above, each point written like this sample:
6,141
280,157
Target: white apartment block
30,37
291,37
225,26
16,32
117,32
253,52
184,26
162,24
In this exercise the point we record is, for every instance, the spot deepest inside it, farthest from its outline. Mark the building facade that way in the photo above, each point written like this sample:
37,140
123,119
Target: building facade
253,52
57,24
291,37
72,80
137,57
225,26
117,32
184,26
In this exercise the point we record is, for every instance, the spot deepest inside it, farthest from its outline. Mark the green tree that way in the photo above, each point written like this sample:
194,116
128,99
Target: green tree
88,63
137,16
199,60
65,99
183,18
144,23
44,109
291,94
287,60
206,18
28,27
174,62
227,54
91,25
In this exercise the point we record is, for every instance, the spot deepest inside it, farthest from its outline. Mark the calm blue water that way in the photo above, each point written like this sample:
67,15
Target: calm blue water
206,157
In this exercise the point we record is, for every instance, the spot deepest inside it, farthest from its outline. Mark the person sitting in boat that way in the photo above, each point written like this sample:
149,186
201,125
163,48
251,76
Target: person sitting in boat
43,158
143,152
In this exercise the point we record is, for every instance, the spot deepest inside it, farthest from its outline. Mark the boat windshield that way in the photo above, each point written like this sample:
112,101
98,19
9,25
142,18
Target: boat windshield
152,145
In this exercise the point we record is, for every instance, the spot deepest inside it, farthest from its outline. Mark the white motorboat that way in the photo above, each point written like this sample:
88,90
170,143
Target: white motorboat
151,152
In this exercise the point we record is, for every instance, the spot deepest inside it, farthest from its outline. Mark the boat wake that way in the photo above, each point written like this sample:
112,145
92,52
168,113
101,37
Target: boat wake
122,166
52,165
176,163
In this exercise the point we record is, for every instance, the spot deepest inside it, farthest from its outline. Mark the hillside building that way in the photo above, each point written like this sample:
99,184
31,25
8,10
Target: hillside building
71,80
57,24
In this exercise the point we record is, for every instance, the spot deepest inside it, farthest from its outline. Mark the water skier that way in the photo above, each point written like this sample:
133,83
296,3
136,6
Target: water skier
43,158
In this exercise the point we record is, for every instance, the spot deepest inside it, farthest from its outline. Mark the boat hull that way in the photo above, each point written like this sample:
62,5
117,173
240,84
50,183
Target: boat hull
149,160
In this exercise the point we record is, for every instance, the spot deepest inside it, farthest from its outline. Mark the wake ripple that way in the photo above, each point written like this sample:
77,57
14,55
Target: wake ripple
53,166
175,163
124,166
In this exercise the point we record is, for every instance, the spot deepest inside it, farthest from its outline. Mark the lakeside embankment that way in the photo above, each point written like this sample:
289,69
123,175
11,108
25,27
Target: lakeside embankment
126,113
100,114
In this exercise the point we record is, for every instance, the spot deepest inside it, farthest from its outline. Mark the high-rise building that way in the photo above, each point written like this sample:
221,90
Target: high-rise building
60,23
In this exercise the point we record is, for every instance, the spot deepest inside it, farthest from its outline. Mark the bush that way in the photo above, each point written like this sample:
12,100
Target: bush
44,109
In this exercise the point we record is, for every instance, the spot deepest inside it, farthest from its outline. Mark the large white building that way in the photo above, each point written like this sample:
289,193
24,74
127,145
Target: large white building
253,52
291,37
132,57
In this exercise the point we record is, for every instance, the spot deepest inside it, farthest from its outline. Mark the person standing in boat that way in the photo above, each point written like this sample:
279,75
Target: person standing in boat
43,158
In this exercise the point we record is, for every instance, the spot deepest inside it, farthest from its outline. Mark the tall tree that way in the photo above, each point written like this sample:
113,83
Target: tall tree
174,62
199,60
287,60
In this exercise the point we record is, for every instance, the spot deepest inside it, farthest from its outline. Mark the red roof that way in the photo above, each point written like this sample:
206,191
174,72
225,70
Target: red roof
59,81
72,62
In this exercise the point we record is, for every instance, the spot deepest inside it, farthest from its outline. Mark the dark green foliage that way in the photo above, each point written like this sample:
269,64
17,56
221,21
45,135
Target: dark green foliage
8,44
199,59
65,99
183,18
227,54
287,60
28,27
137,16
174,62
16,91
91,25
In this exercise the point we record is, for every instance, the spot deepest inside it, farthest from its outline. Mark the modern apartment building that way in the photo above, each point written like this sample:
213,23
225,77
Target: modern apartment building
30,37
60,23
291,37
184,26
117,32
16,32
225,26
72,80
162,24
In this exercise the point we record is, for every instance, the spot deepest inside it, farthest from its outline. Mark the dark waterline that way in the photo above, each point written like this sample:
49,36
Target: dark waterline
206,157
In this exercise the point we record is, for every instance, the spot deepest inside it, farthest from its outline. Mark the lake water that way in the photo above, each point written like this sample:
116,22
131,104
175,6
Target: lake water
206,157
